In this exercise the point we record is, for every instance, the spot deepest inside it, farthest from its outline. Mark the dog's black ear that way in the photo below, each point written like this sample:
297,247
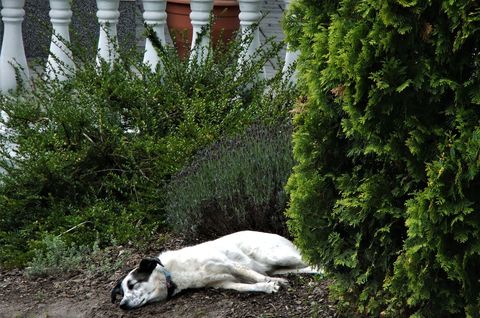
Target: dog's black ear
117,290
147,265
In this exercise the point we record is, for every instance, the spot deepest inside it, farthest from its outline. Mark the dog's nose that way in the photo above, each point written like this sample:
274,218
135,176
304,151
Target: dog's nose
125,305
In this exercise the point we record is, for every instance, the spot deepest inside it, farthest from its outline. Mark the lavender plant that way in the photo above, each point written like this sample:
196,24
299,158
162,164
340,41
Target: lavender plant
236,184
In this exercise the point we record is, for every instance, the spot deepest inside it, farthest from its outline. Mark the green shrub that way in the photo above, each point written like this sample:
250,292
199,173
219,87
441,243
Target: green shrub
236,184
384,195
98,149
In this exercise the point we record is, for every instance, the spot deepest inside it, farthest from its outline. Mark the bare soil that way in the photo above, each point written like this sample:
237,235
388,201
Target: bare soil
85,294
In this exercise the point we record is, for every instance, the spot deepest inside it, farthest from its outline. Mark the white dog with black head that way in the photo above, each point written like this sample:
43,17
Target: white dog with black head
242,261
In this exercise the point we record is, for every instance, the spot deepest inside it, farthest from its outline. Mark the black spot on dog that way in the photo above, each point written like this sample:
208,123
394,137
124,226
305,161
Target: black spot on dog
143,272
147,265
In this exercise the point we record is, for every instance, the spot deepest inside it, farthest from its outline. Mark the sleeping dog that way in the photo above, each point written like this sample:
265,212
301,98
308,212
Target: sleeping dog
243,261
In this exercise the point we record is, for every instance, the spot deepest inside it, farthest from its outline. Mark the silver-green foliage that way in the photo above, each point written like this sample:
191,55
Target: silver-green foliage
53,256
56,257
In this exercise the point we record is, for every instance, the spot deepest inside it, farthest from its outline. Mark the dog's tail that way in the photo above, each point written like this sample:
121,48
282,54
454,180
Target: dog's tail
301,270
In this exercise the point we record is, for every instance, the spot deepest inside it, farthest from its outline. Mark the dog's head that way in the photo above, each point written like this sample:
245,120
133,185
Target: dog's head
144,284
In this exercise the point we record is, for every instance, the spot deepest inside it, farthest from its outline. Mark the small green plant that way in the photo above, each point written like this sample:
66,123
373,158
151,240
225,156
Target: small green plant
235,184
54,257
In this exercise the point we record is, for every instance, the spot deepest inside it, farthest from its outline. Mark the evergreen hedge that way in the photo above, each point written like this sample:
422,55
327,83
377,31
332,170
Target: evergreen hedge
385,192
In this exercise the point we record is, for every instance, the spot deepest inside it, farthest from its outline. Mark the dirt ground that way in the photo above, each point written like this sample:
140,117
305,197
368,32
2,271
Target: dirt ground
88,295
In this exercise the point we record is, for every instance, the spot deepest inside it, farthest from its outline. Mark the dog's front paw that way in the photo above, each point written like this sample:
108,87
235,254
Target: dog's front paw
281,281
272,287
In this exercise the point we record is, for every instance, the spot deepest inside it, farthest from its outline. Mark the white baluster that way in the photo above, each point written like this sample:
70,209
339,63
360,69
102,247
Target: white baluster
60,63
155,16
12,54
107,15
200,17
290,58
250,15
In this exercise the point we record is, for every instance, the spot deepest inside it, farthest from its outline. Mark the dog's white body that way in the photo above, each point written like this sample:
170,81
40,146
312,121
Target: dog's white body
241,261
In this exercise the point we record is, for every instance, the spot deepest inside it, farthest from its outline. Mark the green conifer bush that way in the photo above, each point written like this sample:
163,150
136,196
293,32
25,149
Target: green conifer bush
384,194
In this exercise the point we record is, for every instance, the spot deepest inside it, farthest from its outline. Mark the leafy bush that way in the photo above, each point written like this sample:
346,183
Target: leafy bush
98,149
236,184
384,195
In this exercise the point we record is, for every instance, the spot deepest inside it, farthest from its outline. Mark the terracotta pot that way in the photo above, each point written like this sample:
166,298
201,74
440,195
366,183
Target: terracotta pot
226,23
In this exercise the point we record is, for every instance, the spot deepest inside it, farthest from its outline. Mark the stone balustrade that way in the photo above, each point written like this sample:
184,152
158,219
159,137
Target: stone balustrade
13,62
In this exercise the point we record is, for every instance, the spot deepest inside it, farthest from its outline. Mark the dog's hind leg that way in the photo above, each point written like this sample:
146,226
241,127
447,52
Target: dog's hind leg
245,274
252,275
265,287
